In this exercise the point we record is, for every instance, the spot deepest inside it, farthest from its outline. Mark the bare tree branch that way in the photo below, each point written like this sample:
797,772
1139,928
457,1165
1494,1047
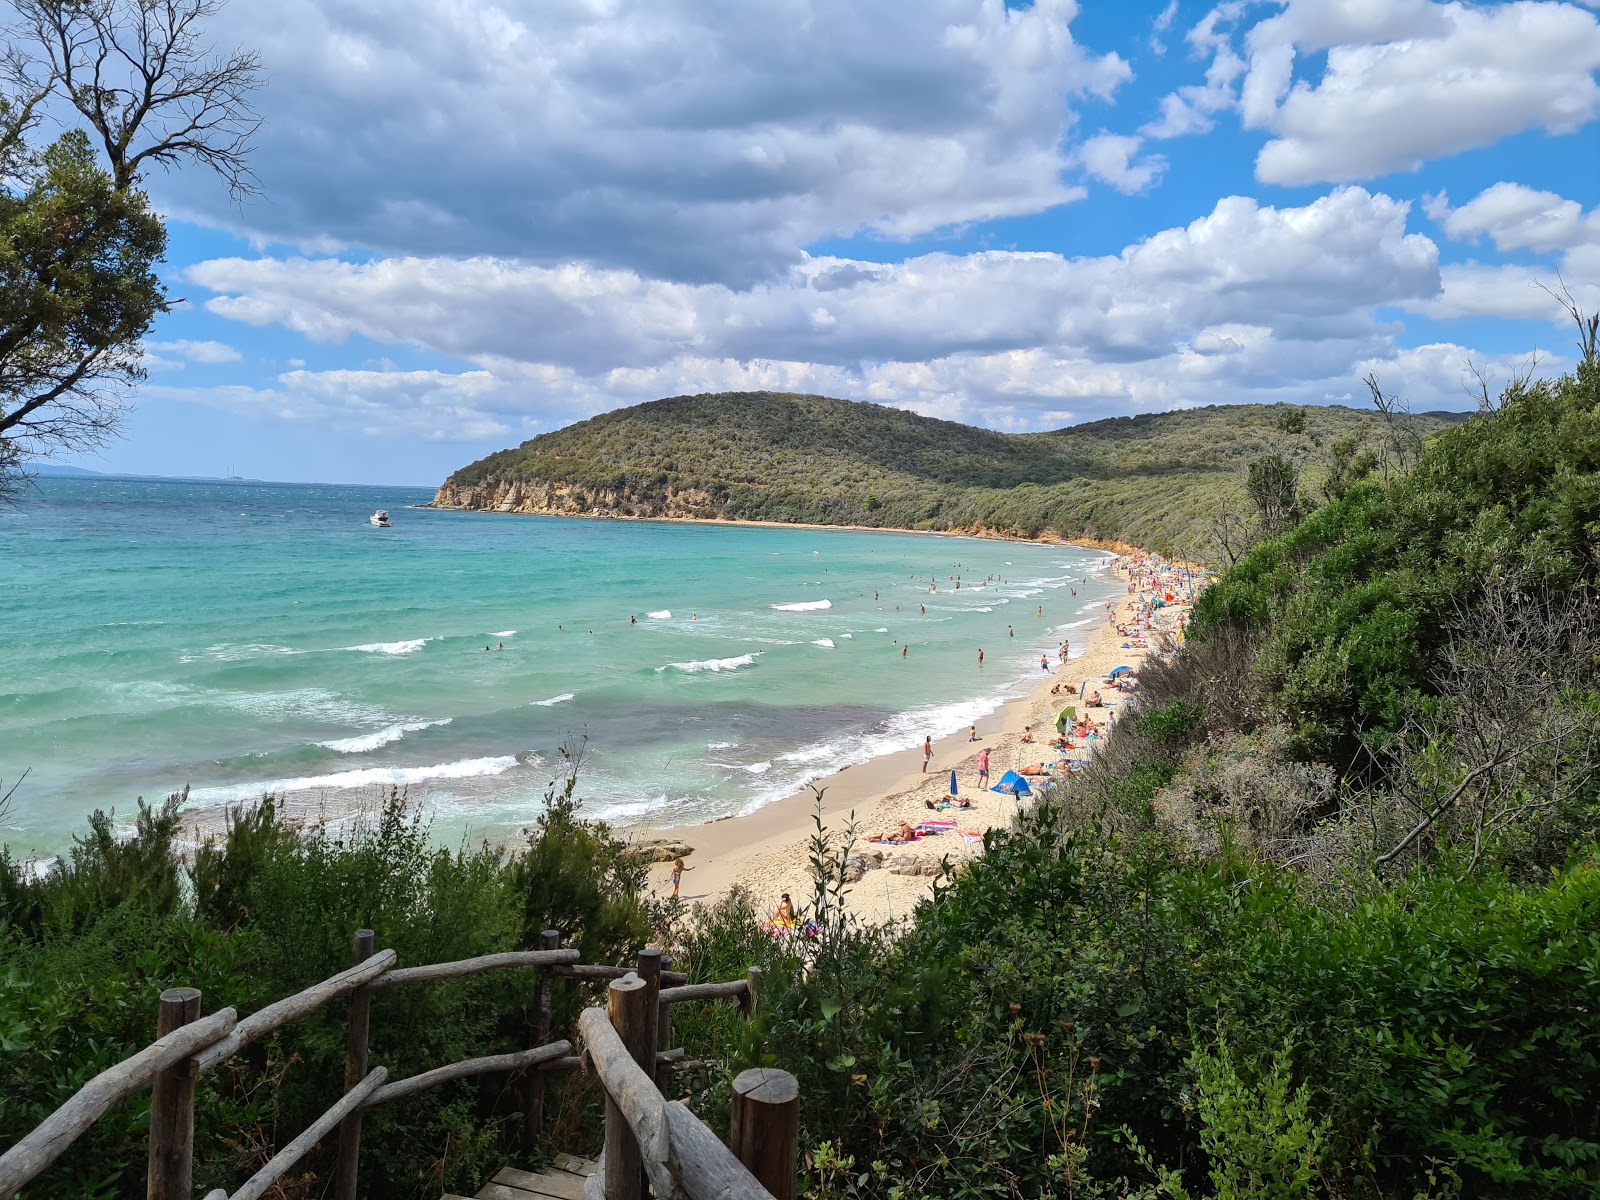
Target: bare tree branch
142,75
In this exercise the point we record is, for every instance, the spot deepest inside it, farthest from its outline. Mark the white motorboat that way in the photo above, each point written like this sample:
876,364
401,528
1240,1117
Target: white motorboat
380,518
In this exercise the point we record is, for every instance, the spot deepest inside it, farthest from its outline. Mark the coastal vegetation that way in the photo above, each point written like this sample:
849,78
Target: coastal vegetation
1162,481
1321,920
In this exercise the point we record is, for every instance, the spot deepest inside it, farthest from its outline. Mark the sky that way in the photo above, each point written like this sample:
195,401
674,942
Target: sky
480,221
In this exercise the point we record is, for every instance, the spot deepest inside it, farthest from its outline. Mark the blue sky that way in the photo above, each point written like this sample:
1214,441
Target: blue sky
482,221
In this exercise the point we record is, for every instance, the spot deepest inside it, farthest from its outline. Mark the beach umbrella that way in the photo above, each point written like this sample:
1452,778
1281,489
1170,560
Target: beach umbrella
953,783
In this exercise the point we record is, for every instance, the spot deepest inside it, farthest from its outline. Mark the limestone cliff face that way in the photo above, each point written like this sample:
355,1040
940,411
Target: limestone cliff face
570,500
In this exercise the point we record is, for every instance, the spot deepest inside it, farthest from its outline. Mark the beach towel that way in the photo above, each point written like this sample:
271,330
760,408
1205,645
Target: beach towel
937,822
971,837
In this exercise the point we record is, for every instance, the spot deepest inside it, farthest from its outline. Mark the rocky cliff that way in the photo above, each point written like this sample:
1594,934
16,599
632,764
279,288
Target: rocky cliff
573,500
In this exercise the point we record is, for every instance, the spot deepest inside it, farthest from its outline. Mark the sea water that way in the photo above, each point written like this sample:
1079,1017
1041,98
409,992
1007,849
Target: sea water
243,638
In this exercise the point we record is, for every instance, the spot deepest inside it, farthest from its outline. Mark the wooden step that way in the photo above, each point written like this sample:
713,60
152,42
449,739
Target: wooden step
563,1181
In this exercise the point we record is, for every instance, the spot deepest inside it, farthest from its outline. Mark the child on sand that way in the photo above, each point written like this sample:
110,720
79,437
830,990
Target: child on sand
677,875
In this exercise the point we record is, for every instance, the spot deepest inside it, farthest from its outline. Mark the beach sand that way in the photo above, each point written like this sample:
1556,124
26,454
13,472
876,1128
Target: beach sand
766,852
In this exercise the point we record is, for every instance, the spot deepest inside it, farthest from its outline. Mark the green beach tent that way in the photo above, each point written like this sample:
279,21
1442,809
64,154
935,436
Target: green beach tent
1066,717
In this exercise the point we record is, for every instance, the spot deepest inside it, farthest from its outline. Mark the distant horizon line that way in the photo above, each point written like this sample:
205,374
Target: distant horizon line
45,470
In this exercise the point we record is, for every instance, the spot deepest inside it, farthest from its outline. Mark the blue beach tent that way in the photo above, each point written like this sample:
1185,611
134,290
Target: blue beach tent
1013,784
1121,671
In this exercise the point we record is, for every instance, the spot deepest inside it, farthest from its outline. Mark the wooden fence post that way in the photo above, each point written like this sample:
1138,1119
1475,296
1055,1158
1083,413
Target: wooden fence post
624,1168
752,991
355,1070
533,1080
171,1172
765,1128
649,970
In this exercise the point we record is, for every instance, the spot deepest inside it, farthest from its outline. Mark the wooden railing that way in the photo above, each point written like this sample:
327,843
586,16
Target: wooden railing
646,1137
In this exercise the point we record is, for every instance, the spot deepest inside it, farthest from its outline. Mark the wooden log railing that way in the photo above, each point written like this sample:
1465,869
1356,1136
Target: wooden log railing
658,1146
650,1139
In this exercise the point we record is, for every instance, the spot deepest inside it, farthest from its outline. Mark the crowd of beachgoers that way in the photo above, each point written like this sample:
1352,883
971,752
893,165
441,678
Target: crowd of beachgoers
939,805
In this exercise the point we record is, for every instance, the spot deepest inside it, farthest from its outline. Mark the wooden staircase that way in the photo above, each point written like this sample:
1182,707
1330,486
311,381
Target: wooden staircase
563,1180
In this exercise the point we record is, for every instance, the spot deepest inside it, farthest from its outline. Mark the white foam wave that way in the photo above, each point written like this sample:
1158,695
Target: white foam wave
467,768
664,614
825,643
383,737
721,745
622,810
505,633
553,701
880,631
847,635
760,768
317,704
713,664
409,646
804,606
226,652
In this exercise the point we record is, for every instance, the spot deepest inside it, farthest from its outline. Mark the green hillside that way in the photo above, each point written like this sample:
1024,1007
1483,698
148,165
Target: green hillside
1156,480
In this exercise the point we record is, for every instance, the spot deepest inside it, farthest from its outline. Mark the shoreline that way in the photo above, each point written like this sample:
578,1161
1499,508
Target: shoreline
766,851
980,532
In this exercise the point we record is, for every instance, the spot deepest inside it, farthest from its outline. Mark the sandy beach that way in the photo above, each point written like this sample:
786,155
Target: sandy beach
766,852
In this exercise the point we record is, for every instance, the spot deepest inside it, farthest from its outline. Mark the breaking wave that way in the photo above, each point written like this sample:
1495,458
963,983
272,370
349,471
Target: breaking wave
712,664
409,646
383,737
467,768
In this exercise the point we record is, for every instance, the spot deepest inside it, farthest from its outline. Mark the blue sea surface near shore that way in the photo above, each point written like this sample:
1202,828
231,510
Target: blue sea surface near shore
246,638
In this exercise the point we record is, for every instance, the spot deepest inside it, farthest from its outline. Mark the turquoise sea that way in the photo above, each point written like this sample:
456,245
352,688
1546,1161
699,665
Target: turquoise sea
242,638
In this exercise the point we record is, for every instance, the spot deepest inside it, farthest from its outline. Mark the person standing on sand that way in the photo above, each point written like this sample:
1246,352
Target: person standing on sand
677,875
983,768
927,752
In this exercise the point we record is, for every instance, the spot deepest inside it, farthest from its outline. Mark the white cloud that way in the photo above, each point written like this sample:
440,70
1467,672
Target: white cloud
1518,218
1300,270
1410,80
210,353
1113,158
1189,110
1508,291
691,139
1247,302
383,402
1160,26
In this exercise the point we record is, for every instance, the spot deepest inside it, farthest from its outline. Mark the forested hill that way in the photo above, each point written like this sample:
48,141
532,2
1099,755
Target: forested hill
1156,480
